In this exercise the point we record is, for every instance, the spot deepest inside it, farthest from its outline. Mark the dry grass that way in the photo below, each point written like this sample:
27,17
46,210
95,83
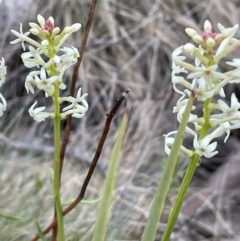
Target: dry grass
130,46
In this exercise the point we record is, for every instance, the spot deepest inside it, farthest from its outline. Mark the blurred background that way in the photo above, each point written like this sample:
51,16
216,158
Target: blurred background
129,46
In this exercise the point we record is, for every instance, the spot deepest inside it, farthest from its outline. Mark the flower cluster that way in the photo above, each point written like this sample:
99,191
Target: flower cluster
51,60
206,81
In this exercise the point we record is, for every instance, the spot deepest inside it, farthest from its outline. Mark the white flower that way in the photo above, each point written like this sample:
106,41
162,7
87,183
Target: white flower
24,37
74,101
38,114
181,107
204,148
71,55
80,110
202,93
208,73
77,112
228,33
169,142
30,80
178,69
75,109
44,83
21,36
3,71
67,31
33,58
181,81
3,105
227,111
55,60
224,127
176,54
234,63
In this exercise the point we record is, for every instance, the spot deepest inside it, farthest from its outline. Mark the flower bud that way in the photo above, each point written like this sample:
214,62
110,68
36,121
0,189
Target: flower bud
190,32
33,25
207,25
34,31
189,48
198,39
41,20
56,31
210,42
76,27
45,42
226,32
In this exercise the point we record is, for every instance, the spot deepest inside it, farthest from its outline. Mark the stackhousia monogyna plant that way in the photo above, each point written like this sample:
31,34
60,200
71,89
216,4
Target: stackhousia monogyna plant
203,82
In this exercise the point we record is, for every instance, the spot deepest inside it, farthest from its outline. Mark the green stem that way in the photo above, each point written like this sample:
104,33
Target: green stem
187,177
206,116
56,179
180,197
166,178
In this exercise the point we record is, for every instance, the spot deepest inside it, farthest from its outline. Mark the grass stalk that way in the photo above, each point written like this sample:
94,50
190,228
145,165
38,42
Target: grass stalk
180,197
166,178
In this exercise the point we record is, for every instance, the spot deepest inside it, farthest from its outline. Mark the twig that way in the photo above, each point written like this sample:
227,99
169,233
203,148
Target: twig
74,80
72,91
92,167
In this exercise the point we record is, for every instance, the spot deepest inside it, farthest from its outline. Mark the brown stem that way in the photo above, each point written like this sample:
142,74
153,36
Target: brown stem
92,167
72,91
73,82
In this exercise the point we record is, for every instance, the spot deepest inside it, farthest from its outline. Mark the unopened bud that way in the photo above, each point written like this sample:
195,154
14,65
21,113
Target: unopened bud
41,20
226,32
190,32
33,25
210,42
198,39
56,30
45,42
34,31
76,27
189,48
207,25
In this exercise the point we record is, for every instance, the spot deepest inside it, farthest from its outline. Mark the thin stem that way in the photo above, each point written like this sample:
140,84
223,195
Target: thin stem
167,177
180,197
56,179
92,167
74,81
206,116
187,177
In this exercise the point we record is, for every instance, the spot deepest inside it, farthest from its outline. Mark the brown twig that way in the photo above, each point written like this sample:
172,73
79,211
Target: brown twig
92,167
74,81
72,91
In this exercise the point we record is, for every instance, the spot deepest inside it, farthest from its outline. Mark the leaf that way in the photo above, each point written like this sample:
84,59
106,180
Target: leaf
100,228
166,178
40,232
87,202
7,216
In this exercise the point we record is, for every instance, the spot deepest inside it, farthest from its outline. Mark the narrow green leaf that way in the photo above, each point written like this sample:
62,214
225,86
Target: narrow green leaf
166,178
105,203
7,216
86,202
40,232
